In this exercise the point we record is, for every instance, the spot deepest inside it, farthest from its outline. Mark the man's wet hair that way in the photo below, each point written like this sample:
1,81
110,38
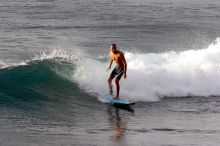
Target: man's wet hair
114,46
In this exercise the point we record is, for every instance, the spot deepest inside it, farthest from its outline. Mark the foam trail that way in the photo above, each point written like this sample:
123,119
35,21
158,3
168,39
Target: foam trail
152,76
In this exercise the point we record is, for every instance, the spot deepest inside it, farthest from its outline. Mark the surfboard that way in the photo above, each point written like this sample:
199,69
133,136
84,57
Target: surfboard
119,102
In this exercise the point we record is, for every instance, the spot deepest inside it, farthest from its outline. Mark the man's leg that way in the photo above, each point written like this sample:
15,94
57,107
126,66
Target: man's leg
117,89
110,85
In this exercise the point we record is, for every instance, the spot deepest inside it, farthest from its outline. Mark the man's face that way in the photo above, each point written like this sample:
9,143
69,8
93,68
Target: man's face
113,49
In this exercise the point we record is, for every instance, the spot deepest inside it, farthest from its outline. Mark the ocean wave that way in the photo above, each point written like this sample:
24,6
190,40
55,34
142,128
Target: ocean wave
37,84
149,77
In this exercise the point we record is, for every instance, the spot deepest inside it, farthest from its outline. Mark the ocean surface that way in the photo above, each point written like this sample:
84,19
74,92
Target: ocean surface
53,80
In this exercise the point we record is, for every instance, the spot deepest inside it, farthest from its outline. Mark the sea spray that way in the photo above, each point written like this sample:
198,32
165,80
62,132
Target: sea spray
153,76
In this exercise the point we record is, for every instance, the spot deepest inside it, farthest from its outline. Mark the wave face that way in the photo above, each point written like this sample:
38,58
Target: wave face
36,86
150,76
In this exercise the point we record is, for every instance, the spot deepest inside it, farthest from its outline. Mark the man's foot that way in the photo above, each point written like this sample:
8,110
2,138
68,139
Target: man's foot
116,98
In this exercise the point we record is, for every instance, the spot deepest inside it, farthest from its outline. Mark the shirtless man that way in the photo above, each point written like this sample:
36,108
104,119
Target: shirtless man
119,70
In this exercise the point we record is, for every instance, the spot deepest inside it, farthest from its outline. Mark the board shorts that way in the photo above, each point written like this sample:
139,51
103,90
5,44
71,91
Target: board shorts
118,72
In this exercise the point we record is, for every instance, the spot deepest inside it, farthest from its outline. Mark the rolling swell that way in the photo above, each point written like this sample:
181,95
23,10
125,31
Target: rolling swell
36,86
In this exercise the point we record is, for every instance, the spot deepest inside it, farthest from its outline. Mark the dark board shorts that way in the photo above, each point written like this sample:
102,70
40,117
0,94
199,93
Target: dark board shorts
118,72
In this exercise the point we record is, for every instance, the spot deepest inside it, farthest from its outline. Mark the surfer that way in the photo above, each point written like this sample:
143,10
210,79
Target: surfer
120,69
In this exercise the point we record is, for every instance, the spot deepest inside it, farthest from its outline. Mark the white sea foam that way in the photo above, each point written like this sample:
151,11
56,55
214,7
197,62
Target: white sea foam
10,63
2,64
153,76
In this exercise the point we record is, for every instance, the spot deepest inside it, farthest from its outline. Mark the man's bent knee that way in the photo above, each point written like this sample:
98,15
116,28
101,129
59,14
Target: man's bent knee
116,81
